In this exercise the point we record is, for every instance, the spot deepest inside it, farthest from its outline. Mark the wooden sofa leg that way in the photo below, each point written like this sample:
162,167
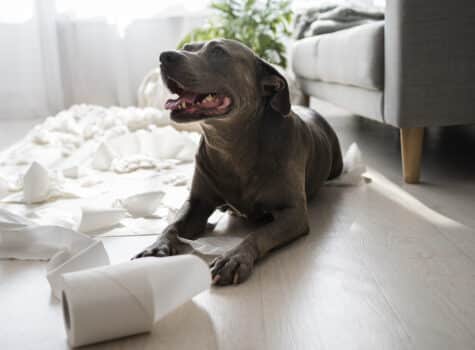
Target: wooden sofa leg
411,153
306,100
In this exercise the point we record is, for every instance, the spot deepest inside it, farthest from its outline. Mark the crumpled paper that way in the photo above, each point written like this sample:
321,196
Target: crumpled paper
75,135
39,185
353,168
103,157
141,204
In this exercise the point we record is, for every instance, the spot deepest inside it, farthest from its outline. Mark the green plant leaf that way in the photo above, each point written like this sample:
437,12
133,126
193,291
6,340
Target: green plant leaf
261,25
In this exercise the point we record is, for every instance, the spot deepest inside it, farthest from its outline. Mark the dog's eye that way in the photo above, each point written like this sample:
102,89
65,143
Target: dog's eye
218,51
193,47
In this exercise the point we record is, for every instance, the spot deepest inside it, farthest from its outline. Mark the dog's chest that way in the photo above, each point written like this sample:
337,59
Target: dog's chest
246,196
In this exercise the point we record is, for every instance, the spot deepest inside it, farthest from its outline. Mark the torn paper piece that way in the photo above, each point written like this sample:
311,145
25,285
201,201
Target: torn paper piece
94,219
36,184
53,194
353,168
170,143
209,247
39,186
177,180
103,157
142,204
128,298
128,164
73,172
227,232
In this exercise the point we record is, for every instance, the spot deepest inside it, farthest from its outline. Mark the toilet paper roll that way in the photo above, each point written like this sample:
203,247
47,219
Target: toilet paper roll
119,300
83,255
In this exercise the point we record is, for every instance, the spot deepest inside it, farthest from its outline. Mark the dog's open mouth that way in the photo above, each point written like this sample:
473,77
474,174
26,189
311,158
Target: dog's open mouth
194,104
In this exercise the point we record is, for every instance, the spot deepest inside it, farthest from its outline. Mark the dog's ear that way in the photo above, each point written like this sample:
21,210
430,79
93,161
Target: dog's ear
274,85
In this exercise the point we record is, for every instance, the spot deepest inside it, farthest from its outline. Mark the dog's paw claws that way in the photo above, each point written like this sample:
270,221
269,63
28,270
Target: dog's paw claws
232,268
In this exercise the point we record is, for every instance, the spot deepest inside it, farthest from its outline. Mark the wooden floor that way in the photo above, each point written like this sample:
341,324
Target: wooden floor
386,266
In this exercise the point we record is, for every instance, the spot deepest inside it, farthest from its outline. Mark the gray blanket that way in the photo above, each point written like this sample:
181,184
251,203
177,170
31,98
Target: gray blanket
331,18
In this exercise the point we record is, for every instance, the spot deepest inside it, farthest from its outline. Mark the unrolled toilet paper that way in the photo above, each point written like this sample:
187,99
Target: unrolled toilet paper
66,250
119,300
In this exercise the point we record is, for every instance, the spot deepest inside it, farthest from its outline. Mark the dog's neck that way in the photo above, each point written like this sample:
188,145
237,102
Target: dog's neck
234,142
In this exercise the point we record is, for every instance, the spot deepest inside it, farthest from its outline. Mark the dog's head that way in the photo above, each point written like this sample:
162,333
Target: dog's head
221,79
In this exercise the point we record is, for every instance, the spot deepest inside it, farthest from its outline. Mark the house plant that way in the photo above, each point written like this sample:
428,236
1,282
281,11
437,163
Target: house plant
262,25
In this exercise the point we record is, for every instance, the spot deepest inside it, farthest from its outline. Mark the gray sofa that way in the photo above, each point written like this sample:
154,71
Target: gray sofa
415,69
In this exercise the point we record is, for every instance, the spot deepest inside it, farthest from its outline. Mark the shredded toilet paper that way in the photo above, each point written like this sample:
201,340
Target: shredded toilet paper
111,171
66,250
39,185
77,134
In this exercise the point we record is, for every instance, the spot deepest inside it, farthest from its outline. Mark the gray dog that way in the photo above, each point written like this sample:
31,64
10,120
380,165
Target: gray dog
257,157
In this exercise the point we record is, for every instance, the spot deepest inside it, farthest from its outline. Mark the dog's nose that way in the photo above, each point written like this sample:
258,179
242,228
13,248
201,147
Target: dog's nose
169,57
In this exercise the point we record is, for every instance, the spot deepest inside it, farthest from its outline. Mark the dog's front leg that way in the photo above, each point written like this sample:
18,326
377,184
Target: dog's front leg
190,222
236,265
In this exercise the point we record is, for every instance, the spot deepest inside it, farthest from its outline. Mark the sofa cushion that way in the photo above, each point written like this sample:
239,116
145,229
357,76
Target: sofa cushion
352,57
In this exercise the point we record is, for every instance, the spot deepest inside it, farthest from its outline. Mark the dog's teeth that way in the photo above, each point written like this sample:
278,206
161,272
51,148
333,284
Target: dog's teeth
209,98
183,104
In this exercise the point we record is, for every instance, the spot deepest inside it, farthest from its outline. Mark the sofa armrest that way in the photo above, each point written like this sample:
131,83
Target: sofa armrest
429,62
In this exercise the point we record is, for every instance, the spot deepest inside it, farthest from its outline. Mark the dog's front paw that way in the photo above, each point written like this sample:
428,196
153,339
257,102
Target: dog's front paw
233,267
164,246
